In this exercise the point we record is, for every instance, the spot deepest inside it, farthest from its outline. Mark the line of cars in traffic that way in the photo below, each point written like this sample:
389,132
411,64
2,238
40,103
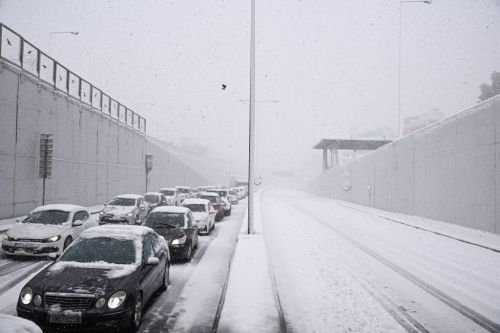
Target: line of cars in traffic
107,269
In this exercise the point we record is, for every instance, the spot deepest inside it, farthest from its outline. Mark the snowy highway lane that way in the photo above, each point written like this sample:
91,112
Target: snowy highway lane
338,269
191,302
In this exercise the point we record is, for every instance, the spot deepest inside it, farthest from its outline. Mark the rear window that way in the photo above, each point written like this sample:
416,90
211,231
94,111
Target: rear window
110,250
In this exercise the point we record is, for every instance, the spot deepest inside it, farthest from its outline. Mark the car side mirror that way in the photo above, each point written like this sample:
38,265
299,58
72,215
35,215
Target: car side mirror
18,220
77,223
105,204
152,261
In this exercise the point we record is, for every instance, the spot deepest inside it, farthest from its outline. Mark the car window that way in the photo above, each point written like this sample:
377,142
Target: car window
147,248
155,242
81,215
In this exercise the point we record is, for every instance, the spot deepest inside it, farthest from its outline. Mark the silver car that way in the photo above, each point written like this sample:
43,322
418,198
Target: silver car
125,209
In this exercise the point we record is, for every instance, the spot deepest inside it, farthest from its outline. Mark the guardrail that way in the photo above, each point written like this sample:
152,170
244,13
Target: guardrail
17,51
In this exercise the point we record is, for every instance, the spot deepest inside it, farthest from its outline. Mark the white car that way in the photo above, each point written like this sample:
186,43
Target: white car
172,196
47,230
227,206
203,212
184,192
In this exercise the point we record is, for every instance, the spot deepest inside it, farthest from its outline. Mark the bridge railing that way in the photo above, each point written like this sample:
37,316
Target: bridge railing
17,51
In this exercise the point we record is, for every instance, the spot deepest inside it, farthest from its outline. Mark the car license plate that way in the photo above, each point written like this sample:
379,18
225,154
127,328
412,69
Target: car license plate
75,318
25,245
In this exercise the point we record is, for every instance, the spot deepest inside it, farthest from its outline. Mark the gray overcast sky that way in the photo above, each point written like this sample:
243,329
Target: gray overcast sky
332,65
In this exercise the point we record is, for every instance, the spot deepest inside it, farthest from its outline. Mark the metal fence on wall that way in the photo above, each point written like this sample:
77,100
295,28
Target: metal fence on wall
15,50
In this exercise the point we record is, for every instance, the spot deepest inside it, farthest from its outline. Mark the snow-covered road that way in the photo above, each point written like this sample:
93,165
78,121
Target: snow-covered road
339,269
191,302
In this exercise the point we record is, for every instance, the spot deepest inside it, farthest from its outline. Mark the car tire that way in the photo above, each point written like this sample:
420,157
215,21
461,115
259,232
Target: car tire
67,242
166,278
135,321
229,213
189,254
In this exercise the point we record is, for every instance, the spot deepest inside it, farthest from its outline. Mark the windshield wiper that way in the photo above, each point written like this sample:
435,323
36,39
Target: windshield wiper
169,226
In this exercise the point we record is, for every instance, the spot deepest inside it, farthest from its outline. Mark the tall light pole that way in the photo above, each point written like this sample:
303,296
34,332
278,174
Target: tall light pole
251,123
75,33
401,2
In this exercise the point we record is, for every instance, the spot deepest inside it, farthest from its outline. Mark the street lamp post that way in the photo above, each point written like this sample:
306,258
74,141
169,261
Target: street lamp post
251,124
75,33
399,53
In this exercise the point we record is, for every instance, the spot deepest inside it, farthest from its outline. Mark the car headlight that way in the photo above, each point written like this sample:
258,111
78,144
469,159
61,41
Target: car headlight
8,238
179,241
37,300
101,212
26,295
130,214
53,238
116,299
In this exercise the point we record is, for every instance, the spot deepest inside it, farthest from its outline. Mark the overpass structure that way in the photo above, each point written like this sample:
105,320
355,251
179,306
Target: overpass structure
100,145
332,146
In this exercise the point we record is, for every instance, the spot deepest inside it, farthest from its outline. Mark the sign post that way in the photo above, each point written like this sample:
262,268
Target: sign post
149,167
45,169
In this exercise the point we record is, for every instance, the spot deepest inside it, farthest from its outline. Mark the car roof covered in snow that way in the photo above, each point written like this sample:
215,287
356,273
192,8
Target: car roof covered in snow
168,189
63,207
117,231
210,194
152,193
195,201
183,187
170,209
129,196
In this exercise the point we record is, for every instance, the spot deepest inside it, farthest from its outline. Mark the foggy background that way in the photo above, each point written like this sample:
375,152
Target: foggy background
323,68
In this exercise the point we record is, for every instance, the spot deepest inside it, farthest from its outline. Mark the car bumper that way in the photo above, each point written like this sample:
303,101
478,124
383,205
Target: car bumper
203,228
178,251
36,249
91,321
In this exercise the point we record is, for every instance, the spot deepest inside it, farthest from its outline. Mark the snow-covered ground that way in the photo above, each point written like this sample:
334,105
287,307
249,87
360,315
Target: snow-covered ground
250,304
342,269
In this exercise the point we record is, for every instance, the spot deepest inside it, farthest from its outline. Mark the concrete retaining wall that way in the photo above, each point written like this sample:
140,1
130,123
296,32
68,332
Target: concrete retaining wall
447,171
95,157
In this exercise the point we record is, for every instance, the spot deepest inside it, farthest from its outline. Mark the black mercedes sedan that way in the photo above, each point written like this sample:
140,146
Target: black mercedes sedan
178,226
102,280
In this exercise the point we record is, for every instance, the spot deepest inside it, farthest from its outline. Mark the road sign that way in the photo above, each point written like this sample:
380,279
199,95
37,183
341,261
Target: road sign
46,151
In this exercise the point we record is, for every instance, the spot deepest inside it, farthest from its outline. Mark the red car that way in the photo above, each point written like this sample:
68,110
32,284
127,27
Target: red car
216,203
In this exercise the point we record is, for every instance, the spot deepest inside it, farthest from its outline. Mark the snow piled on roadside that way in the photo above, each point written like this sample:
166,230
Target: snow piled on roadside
249,304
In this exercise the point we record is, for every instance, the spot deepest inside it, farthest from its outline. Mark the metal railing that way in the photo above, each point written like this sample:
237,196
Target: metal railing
15,50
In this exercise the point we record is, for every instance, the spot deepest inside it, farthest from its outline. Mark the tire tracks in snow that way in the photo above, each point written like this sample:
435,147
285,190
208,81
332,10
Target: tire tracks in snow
400,312
25,273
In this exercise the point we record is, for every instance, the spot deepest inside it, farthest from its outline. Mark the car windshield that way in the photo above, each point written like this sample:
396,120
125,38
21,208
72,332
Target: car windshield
47,217
165,220
211,198
184,190
168,192
196,207
110,250
122,202
152,198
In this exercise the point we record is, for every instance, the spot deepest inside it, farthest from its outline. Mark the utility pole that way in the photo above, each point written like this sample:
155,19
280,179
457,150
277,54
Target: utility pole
251,123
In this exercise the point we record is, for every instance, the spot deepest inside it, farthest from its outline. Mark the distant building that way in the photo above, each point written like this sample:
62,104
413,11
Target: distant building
414,123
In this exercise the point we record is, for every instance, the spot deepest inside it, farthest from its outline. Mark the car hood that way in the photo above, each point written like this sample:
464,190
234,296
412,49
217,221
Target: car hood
118,210
200,216
69,277
36,231
170,233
